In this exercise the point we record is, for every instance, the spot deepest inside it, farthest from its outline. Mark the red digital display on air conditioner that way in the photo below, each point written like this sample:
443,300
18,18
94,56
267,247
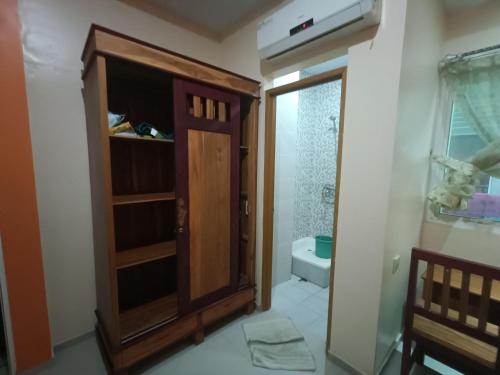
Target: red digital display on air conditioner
301,27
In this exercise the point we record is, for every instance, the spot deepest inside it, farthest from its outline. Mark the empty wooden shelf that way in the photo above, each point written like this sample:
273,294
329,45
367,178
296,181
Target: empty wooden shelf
144,254
142,198
144,223
148,316
142,167
173,219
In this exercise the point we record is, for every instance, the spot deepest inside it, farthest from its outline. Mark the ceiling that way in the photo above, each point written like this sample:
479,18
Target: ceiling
459,5
215,19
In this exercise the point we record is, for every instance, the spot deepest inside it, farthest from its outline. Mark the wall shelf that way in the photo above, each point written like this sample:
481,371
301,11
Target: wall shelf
142,198
139,255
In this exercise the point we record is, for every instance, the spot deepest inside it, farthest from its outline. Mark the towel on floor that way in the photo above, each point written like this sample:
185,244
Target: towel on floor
276,344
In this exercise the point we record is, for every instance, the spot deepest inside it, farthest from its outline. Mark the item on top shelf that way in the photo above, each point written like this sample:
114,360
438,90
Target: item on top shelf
122,128
115,119
145,129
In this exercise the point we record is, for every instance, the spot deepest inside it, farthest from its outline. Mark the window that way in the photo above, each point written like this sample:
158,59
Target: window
463,143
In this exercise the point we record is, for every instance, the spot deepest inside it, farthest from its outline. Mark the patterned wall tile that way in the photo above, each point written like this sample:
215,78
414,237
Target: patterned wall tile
317,141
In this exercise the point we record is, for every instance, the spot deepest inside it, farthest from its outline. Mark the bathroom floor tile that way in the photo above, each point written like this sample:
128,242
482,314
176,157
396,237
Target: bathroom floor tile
309,287
317,304
295,294
324,293
302,317
319,327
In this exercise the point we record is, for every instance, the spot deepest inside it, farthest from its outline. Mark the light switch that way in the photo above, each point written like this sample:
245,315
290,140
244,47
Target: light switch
395,263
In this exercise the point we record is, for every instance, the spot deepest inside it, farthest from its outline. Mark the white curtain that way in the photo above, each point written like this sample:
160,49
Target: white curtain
474,86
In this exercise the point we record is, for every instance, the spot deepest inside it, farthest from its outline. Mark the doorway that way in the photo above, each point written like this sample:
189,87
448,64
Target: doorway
303,153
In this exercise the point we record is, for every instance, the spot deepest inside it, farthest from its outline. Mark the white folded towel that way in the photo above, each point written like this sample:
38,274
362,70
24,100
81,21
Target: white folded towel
276,344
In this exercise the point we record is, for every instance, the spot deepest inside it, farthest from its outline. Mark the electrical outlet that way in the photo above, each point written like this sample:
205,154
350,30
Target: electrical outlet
395,264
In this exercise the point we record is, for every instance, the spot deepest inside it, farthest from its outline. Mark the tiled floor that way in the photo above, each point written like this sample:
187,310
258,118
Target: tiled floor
306,304
224,351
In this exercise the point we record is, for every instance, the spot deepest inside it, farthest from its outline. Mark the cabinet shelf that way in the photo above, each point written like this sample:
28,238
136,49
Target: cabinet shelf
139,139
150,315
142,198
139,255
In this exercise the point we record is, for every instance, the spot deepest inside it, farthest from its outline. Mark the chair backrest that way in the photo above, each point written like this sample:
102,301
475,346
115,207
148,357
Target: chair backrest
454,273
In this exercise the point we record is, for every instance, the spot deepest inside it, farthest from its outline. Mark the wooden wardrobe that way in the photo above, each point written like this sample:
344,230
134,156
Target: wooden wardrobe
173,218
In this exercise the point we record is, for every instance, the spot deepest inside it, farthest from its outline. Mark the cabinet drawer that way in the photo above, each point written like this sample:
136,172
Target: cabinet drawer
157,341
227,306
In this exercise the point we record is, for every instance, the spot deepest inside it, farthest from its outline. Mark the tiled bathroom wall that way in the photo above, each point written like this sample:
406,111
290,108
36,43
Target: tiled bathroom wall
305,162
317,136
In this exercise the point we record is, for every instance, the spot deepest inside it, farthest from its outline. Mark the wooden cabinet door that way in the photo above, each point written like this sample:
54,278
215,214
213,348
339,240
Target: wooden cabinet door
207,137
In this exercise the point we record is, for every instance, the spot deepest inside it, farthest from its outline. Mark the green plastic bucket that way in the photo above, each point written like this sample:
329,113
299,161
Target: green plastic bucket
323,247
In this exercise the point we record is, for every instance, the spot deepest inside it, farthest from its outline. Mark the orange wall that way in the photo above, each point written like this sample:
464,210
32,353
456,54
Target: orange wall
18,209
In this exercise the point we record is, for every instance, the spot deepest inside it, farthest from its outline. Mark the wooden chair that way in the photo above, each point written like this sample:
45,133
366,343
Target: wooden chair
468,343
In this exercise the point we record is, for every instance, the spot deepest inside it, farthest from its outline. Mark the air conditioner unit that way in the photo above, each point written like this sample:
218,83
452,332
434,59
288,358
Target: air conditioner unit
302,21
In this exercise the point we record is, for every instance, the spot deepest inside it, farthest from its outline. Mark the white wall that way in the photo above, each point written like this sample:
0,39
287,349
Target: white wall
369,132
316,158
468,30
54,32
423,48
240,55
370,126
284,188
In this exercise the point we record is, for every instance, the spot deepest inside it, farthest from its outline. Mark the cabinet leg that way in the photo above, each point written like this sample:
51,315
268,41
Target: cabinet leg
406,363
199,336
250,308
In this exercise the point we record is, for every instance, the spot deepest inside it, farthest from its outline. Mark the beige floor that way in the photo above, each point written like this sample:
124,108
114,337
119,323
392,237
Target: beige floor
224,351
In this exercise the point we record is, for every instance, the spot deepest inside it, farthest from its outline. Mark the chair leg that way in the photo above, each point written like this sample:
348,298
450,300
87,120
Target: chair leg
406,358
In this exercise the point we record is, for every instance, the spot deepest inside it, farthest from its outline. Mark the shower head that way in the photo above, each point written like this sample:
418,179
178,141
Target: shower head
334,120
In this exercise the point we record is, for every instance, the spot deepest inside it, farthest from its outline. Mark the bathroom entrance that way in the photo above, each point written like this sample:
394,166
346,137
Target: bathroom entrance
304,126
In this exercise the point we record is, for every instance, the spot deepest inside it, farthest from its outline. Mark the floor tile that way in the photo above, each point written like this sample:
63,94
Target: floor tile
283,286
216,356
302,317
81,358
282,303
309,287
324,293
225,351
317,304
319,327
295,294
